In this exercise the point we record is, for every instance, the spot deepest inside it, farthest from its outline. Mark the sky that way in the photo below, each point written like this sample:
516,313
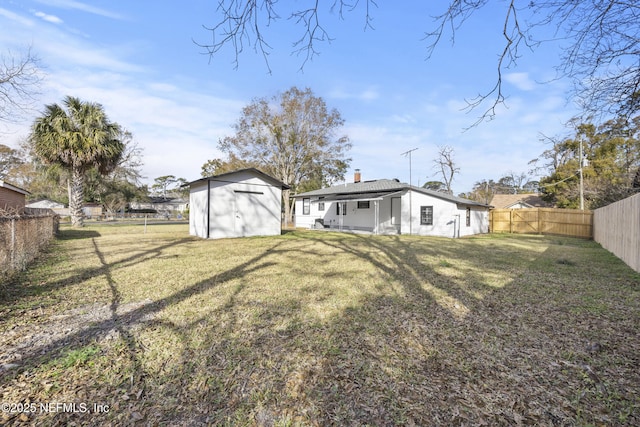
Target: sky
143,61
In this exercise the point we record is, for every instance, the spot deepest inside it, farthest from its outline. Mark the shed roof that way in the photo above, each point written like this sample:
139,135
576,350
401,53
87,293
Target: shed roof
227,175
381,188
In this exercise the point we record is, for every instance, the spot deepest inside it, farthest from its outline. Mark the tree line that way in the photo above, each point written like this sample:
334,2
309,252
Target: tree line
607,156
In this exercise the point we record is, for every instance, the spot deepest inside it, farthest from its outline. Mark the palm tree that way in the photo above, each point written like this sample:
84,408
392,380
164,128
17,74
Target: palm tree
77,138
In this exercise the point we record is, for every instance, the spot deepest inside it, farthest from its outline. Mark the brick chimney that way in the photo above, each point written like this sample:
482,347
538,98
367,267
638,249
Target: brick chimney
356,176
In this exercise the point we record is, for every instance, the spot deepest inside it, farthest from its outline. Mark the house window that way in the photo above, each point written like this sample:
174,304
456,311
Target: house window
426,215
363,204
468,217
306,206
320,204
341,208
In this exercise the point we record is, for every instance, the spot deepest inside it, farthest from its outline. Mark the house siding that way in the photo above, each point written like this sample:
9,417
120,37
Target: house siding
10,199
449,219
355,218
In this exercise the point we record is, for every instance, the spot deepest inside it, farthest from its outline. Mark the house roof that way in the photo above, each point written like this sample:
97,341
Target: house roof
506,201
168,200
379,188
227,175
12,187
45,202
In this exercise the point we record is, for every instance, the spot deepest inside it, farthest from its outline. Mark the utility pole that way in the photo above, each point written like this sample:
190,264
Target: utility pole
581,181
408,153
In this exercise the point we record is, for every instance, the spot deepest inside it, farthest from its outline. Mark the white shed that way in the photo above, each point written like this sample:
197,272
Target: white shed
387,206
242,203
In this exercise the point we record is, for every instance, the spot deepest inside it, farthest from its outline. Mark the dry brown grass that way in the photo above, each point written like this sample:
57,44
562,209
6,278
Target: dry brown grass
314,328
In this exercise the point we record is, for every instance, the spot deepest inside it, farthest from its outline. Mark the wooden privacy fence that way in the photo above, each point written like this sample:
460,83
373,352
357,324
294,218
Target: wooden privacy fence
563,222
617,228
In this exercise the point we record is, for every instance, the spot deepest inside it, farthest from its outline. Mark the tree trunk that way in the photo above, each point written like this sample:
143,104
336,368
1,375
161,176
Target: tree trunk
287,207
76,196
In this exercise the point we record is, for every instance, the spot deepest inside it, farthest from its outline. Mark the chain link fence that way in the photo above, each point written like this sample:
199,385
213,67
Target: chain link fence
23,236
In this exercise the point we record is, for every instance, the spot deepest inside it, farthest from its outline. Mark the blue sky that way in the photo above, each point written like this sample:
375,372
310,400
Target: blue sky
139,60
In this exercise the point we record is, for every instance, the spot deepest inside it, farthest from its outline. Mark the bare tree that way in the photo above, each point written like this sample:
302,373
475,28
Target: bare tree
446,166
19,81
292,136
602,40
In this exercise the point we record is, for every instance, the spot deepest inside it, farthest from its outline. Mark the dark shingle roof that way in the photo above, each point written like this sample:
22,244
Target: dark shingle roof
386,186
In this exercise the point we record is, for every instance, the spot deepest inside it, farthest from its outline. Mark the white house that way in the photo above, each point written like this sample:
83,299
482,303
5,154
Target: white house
388,206
242,203
162,204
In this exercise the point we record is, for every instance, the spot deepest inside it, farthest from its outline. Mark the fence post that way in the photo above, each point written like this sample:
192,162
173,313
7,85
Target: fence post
511,221
540,220
12,251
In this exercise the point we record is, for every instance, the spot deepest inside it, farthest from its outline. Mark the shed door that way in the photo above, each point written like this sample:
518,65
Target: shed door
248,215
395,210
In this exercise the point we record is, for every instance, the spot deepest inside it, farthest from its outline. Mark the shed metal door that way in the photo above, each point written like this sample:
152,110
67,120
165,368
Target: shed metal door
248,218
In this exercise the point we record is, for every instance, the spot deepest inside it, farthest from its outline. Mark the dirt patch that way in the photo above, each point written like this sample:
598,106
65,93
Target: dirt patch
57,331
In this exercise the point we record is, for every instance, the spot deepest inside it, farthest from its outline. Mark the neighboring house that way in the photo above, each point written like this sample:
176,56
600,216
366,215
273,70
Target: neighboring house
12,198
242,203
518,201
92,210
45,204
162,205
388,206
57,208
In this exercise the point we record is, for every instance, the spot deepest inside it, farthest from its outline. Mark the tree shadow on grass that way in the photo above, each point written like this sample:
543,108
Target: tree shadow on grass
124,322
16,291
408,358
74,234
385,358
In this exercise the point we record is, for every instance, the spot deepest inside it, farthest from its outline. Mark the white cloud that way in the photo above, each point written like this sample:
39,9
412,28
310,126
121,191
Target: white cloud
76,5
520,80
49,18
16,18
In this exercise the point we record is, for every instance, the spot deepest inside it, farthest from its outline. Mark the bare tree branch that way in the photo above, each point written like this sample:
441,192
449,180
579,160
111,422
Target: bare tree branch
244,22
19,81
601,53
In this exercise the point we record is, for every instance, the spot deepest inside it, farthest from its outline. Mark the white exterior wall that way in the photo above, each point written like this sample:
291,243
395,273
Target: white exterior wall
355,218
449,220
241,205
198,210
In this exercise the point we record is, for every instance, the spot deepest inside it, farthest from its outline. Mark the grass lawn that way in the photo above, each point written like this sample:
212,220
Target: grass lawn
315,328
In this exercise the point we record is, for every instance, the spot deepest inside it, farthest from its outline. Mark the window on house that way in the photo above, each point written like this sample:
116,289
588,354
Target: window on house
320,204
306,206
426,215
468,217
341,208
363,204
